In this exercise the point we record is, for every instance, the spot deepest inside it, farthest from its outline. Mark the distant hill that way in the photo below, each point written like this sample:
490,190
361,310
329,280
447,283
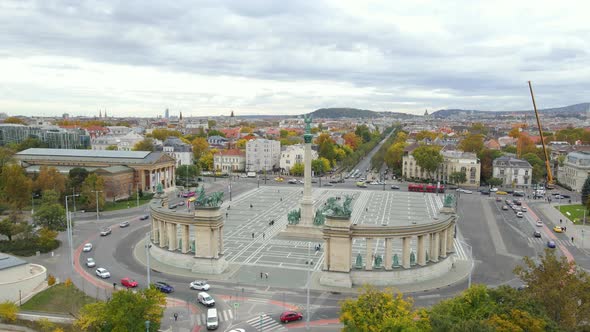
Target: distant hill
343,112
577,110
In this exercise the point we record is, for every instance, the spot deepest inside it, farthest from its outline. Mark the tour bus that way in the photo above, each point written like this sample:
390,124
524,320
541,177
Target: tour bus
428,188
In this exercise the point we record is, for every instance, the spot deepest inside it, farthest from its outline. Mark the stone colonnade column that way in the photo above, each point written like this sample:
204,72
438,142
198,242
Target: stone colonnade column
220,240
406,252
433,256
155,231
185,239
450,243
369,255
327,254
388,253
436,251
172,236
443,243
162,233
422,250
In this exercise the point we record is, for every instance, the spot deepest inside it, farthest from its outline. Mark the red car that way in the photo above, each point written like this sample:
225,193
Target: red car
129,283
289,316
188,194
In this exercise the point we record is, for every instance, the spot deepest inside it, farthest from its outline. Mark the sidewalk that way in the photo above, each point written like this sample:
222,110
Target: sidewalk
579,232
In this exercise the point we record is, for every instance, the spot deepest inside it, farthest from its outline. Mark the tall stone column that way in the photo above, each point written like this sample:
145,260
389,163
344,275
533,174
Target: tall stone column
185,239
433,257
422,250
172,236
327,254
142,179
450,236
369,255
406,252
307,201
388,254
220,240
214,243
155,231
162,233
443,243
436,251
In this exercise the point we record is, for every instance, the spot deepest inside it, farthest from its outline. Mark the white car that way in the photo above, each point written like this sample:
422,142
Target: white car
493,190
539,223
465,191
519,214
199,285
87,247
90,262
103,273
523,209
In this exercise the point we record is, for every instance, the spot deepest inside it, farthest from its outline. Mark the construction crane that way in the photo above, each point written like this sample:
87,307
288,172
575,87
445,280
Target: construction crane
550,181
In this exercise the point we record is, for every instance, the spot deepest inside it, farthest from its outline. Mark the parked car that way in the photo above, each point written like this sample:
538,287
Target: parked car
537,234
494,190
550,244
505,207
124,224
103,273
199,285
205,299
558,229
129,283
290,316
188,194
87,247
90,262
105,231
145,217
163,287
523,208
501,192
292,181
328,184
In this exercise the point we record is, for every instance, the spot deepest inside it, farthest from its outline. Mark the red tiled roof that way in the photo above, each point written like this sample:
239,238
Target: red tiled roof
231,152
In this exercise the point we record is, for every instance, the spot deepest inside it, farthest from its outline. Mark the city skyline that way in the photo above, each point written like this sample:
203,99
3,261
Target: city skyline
261,58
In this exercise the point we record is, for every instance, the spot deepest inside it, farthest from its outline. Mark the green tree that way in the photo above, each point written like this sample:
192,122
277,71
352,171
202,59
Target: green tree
6,156
163,133
125,311
76,177
8,311
47,238
560,287
144,145
11,226
15,186
428,157
376,311
30,143
112,148
479,128
458,177
51,214
92,184
200,146
215,132
206,160
320,166
184,171
211,123
472,143
586,191
486,158
495,182
539,170
394,154
426,134
297,169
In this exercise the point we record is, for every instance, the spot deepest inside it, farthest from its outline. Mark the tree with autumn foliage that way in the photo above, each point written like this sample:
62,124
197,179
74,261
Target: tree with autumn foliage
15,186
376,311
50,179
351,140
525,145
144,145
163,133
90,186
486,158
200,146
472,143
426,134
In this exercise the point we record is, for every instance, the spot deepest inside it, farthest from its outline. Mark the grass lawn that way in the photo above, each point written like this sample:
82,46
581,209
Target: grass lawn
574,213
59,299
124,204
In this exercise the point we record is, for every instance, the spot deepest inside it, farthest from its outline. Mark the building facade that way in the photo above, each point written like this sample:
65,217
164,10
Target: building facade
54,137
453,161
512,171
229,161
180,151
262,154
149,168
575,170
293,154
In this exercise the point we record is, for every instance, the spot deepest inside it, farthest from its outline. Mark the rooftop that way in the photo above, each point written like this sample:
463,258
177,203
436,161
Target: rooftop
8,261
84,153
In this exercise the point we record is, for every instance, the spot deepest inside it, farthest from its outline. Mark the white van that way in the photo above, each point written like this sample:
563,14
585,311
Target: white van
205,299
212,321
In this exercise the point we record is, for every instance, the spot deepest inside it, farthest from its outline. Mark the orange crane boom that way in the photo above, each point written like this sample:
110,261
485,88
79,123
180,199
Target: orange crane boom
550,180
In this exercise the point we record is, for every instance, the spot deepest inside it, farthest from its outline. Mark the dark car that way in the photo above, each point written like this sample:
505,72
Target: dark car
163,287
172,206
290,316
550,244
393,186
537,234
146,217
485,192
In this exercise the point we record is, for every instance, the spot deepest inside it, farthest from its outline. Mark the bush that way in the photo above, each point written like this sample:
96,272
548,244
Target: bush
8,311
50,280
27,247
68,282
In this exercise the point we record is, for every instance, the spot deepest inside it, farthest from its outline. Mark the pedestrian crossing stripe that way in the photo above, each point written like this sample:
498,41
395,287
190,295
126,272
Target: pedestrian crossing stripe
536,240
224,315
265,323
460,251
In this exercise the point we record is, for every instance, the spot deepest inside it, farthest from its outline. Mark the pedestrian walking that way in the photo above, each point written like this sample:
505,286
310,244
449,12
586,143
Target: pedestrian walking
564,228
266,275
560,221
252,235
572,239
226,214
260,275
175,316
263,236
251,205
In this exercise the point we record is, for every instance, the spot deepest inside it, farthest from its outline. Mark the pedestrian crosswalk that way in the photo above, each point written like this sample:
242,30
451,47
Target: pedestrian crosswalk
460,251
537,240
223,315
265,323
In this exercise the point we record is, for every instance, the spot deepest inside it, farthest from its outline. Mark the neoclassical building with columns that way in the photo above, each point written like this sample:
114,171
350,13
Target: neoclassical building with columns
128,169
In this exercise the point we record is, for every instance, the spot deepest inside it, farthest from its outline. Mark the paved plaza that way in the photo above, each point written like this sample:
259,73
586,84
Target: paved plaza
251,239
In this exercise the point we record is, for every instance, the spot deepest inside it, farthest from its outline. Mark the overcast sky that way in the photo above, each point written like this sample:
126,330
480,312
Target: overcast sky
137,58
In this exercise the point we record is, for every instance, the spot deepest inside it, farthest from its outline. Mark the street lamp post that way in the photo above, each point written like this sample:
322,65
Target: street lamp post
308,282
70,231
472,263
96,192
147,252
137,194
33,204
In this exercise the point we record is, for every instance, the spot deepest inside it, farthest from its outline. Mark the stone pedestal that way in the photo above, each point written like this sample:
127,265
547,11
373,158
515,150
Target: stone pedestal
338,252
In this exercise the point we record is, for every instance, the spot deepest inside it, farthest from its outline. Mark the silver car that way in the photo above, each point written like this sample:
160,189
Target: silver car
103,273
90,262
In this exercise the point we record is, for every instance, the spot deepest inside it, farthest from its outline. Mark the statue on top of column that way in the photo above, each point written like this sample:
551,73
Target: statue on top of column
159,189
449,201
212,200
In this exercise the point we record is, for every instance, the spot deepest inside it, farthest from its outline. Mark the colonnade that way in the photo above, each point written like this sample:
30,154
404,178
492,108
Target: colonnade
149,178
